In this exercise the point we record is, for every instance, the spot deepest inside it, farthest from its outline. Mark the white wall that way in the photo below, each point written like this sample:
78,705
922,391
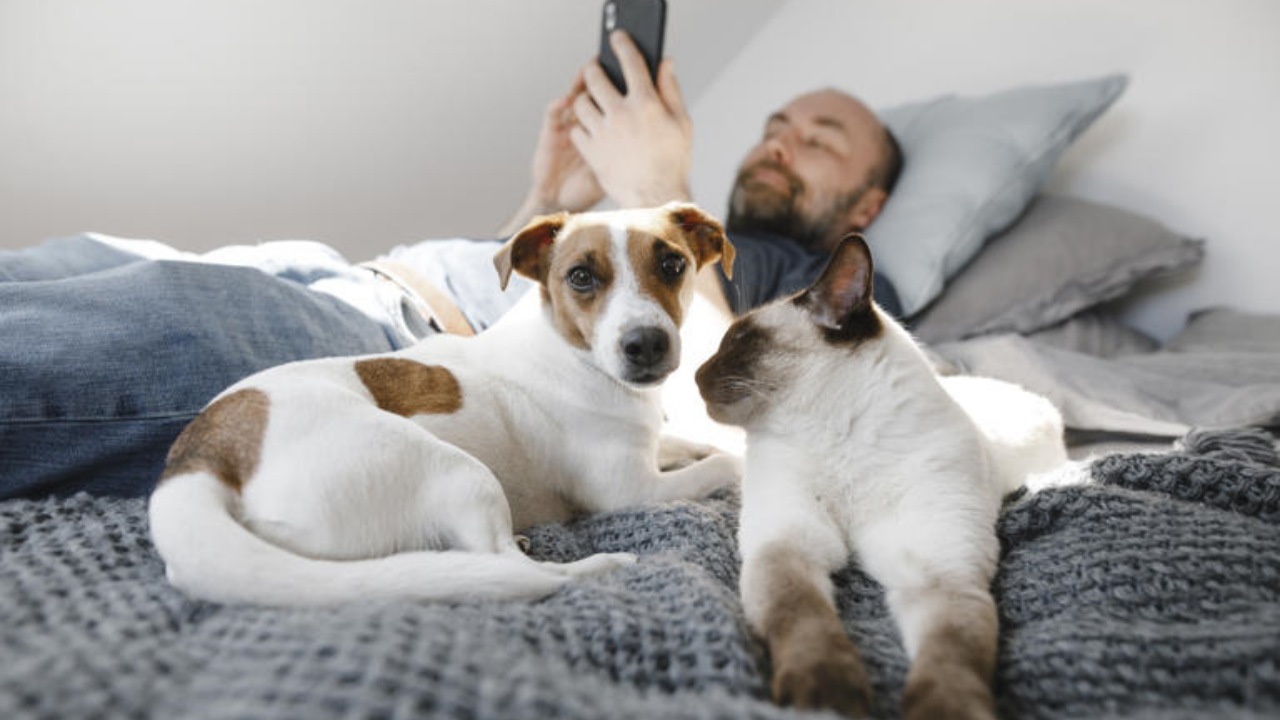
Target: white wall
1194,141
362,123
366,124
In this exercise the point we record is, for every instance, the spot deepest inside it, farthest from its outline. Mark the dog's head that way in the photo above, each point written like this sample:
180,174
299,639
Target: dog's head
617,284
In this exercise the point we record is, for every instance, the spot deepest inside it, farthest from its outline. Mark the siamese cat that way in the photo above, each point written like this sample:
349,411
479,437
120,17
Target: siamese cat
856,449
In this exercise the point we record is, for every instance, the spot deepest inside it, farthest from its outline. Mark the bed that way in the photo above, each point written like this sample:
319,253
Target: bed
1142,581
1152,591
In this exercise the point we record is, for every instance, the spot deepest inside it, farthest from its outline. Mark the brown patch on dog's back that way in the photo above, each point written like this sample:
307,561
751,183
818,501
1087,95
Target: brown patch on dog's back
225,439
408,388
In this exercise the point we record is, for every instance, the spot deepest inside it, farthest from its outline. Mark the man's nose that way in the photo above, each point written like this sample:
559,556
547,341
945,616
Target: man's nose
779,149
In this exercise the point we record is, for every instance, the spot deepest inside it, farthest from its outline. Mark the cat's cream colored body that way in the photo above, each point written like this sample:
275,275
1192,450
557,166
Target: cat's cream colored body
857,450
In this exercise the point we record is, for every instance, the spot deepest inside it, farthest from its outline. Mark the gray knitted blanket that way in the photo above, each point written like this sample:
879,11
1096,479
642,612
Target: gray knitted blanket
1153,592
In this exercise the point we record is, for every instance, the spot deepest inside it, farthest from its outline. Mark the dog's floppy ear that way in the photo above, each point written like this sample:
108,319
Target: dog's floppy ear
528,250
705,235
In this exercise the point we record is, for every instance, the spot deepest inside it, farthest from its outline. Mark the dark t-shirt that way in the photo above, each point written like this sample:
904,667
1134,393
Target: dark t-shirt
768,267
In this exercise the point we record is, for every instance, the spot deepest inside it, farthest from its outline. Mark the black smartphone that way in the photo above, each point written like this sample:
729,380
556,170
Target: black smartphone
644,21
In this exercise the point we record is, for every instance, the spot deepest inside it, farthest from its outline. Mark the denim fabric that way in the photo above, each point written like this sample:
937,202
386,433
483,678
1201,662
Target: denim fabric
105,355
464,270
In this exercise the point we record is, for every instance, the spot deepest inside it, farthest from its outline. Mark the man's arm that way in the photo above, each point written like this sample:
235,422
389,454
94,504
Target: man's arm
561,180
639,144
636,148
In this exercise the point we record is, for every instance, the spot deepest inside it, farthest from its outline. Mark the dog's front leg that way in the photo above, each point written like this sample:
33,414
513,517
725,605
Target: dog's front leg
696,479
675,452
641,483
715,472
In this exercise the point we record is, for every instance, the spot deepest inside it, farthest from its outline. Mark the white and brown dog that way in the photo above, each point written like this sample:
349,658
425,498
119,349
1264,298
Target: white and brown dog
405,475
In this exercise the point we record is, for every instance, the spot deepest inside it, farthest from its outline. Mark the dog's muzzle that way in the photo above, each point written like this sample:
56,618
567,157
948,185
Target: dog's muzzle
647,353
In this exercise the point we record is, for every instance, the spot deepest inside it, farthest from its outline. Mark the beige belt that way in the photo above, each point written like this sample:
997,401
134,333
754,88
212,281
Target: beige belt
434,306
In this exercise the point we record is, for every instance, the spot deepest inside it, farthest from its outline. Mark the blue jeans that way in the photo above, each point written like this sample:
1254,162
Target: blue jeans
105,355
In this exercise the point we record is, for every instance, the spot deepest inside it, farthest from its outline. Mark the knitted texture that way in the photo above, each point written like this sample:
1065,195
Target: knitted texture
1153,592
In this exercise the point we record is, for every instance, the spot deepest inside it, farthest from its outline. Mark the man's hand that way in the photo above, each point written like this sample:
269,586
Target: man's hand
561,179
639,144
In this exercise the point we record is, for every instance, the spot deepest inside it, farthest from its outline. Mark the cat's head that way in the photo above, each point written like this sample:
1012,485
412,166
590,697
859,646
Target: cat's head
765,352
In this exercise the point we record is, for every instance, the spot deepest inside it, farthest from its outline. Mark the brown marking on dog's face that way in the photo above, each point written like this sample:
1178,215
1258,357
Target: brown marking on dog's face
408,388
841,300
617,283
954,668
663,268
815,665
225,439
580,275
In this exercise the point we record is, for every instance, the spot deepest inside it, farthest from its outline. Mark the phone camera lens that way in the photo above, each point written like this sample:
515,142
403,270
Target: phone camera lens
610,17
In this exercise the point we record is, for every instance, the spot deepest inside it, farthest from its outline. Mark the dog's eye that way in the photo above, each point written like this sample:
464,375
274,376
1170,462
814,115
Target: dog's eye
580,279
672,265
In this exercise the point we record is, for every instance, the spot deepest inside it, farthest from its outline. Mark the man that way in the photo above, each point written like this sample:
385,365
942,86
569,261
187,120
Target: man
112,347
823,168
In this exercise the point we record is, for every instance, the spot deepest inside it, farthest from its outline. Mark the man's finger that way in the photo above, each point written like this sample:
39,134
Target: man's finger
599,87
588,115
669,90
634,69
581,140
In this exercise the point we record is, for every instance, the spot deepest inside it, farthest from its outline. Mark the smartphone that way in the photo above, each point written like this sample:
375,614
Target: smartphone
644,21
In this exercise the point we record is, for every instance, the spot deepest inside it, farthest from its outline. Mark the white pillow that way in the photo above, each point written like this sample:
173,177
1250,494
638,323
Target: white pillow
971,165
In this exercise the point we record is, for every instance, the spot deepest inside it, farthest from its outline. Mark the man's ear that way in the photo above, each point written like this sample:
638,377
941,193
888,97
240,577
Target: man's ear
704,234
528,251
867,209
844,291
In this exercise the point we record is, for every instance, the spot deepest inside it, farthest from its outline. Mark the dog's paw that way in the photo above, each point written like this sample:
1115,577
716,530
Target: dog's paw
721,471
675,453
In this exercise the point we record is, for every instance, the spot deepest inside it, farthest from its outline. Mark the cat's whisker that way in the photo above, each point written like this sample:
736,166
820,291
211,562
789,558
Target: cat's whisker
748,385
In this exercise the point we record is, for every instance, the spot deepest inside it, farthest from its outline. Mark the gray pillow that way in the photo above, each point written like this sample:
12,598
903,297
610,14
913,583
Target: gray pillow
1064,256
1097,333
971,166
1230,330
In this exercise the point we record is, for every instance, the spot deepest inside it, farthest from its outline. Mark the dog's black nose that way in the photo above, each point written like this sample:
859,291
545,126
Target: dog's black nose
646,346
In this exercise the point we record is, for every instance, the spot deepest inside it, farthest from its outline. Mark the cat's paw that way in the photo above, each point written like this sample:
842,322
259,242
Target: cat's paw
833,679
964,696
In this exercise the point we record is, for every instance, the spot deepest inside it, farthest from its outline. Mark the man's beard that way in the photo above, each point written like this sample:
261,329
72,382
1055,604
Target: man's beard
756,207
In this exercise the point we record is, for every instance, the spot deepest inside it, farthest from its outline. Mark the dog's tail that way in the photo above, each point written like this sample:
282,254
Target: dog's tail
210,555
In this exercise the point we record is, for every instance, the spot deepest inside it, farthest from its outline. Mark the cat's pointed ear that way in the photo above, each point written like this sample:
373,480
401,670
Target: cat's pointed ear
843,293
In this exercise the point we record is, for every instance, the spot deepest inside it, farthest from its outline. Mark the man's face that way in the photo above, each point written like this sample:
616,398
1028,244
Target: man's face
810,175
